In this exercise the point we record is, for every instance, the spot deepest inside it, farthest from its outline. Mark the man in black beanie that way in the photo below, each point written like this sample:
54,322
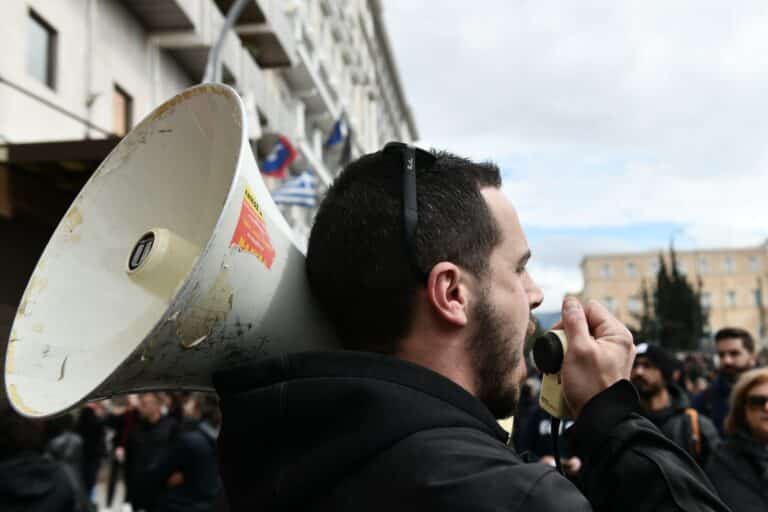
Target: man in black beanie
666,404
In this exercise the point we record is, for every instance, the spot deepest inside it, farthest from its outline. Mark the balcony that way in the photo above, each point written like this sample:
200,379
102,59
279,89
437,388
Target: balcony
265,32
160,15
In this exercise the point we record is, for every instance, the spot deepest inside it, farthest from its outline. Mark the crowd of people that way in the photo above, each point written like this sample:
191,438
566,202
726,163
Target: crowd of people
432,312
715,407
160,446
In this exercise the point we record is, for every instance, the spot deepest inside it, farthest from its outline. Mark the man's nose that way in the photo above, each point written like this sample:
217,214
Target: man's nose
535,295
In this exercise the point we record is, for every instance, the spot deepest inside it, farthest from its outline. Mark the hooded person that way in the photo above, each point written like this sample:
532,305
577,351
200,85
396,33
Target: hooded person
666,404
30,481
419,262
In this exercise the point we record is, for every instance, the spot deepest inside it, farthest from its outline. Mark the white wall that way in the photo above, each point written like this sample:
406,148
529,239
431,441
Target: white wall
121,54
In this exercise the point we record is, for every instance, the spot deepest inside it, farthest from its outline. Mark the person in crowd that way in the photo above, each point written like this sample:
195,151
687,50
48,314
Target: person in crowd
762,357
91,427
419,262
526,404
536,440
667,405
121,420
189,470
739,467
736,353
693,377
30,481
66,446
147,444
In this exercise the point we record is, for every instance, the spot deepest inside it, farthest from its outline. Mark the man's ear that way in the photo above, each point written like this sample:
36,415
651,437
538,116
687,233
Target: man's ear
448,293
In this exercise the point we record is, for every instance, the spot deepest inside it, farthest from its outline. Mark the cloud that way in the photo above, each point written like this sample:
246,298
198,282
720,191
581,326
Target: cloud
600,114
683,83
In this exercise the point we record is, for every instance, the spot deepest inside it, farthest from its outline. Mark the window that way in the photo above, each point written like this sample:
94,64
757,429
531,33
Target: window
41,50
631,269
706,300
635,304
730,298
605,271
757,297
653,267
754,264
610,304
728,264
122,111
703,265
681,268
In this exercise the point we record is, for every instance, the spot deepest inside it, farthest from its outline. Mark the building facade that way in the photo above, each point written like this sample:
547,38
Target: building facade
76,75
733,284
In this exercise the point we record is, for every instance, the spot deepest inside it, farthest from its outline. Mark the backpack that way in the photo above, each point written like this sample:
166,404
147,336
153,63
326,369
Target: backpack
694,446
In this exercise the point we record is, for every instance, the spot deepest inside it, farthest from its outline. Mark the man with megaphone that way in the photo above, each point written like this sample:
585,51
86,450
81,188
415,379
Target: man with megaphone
419,261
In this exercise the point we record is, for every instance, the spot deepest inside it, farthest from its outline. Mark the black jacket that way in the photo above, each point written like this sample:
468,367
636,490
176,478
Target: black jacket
147,444
355,431
676,424
536,435
713,402
739,470
193,454
30,482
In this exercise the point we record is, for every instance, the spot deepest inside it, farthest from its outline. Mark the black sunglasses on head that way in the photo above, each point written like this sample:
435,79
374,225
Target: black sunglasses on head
412,157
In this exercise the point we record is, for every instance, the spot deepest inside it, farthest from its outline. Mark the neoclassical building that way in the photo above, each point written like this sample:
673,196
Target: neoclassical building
734,283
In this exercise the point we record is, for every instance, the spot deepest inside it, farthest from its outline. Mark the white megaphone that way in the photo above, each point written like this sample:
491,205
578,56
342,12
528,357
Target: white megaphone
171,263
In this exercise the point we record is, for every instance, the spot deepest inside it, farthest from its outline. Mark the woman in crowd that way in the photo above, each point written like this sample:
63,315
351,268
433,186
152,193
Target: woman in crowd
739,467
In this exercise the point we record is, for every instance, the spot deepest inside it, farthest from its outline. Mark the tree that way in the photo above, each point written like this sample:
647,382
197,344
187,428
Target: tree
672,312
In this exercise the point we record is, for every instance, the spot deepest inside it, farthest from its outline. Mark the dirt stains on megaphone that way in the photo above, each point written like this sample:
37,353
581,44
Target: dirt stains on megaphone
171,263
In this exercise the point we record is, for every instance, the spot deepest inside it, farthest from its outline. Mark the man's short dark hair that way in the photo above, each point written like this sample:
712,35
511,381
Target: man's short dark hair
357,262
735,332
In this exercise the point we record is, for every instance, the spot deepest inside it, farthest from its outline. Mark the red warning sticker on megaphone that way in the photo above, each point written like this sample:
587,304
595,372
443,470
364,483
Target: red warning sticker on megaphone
251,231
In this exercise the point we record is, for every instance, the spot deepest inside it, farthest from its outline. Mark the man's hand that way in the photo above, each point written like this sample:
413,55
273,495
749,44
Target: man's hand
600,352
571,465
175,479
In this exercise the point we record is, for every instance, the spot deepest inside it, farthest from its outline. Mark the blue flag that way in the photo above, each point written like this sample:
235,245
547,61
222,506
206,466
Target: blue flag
337,133
279,158
300,190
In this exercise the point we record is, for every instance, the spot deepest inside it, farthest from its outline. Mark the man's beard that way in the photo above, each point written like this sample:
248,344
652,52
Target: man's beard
494,360
646,391
731,373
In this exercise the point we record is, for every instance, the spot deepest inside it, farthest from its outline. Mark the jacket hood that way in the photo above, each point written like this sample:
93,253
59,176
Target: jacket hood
295,426
27,476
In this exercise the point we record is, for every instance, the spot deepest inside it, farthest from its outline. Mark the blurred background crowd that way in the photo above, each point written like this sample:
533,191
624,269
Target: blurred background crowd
714,406
151,451
157,451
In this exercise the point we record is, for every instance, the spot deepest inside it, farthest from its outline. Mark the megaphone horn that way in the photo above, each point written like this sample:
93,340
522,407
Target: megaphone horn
171,263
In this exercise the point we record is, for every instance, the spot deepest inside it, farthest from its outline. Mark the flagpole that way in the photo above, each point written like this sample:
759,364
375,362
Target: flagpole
213,64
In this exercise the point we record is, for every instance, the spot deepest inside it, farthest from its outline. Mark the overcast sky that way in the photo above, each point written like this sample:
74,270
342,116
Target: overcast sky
617,125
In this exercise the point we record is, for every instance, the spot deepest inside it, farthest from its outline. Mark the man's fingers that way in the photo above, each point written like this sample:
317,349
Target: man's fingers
575,324
604,325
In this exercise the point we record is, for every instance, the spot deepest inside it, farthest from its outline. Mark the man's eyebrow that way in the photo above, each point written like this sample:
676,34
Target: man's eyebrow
524,258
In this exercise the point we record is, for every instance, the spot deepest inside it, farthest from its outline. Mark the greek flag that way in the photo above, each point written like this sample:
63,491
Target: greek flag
300,190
